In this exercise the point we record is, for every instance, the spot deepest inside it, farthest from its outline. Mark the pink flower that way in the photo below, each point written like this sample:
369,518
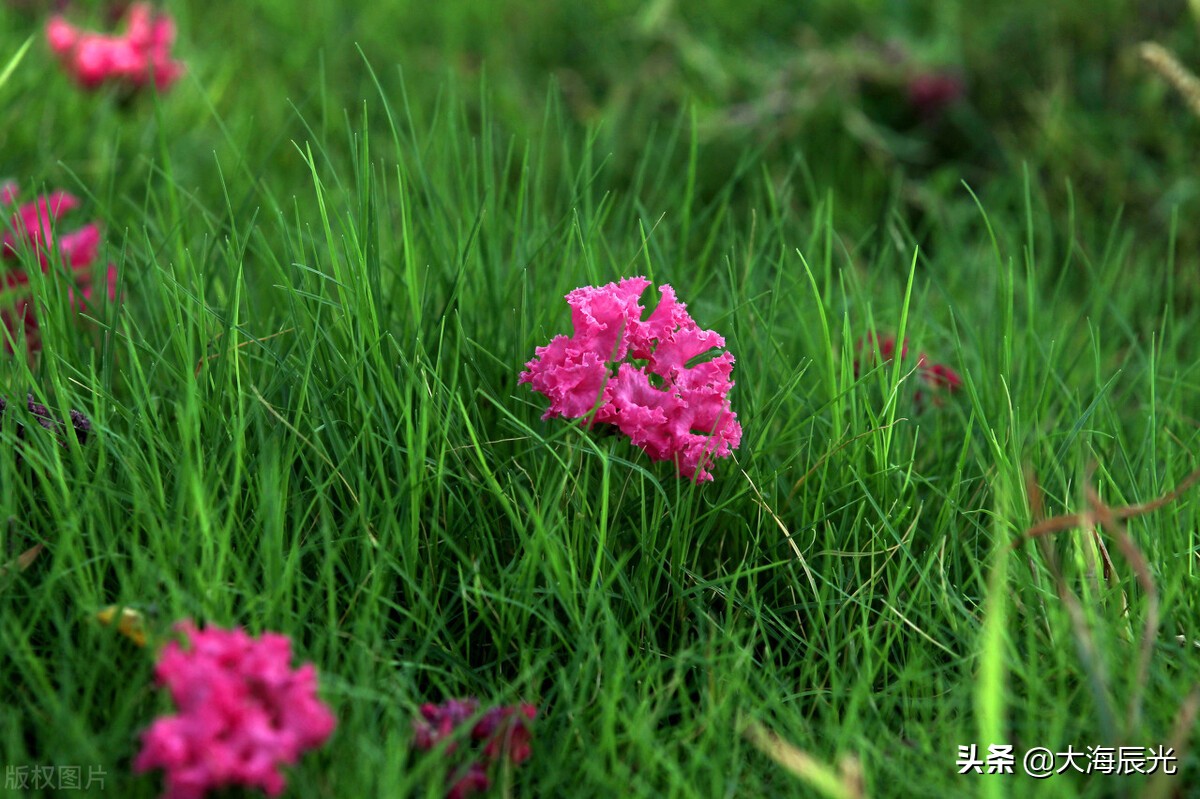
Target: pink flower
62,36
474,780
243,712
887,350
932,93
937,376
638,375
32,229
32,222
503,732
940,379
438,722
135,58
941,376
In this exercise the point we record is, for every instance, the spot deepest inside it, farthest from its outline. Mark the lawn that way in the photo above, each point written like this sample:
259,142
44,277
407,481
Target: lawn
952,254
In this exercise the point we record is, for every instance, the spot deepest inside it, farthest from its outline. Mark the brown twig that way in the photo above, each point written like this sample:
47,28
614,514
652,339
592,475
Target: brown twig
1085,643
1099,515
1066,522
1141,571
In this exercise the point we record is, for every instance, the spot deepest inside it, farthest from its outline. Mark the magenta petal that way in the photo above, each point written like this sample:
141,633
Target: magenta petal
243,712
79,249
132,58
682,414
61,35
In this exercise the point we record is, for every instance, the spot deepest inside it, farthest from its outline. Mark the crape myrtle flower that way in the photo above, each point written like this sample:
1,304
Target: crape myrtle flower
475,780
938,377
641,375
438,722
46,420
139,57
866,347
243,713
500,734
505,733
31,228
941,380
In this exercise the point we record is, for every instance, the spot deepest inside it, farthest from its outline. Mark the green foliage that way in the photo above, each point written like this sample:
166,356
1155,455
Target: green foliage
335,261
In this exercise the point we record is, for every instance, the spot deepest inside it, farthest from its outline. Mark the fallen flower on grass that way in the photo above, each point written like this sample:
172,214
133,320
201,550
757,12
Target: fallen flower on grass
642,375
501,734
866,347
135,59
243,713
31,228
937,377
505,733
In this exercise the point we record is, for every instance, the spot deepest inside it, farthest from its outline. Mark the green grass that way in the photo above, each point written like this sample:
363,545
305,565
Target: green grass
336,261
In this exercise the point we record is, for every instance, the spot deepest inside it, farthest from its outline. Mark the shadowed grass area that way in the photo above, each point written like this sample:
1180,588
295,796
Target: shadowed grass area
307,417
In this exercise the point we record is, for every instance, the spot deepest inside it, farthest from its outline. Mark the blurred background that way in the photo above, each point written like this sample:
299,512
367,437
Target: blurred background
889,103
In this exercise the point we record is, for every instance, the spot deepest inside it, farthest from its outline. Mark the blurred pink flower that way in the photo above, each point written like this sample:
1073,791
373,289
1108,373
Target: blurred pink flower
135,58
438,722
243,712
474,780
31,228
866,351
940,379
931,93
937,376
638,375
503,732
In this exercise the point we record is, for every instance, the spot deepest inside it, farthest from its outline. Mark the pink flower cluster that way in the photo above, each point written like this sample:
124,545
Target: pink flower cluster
638,375
936,376
503,733
31,228
243,712
135,58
